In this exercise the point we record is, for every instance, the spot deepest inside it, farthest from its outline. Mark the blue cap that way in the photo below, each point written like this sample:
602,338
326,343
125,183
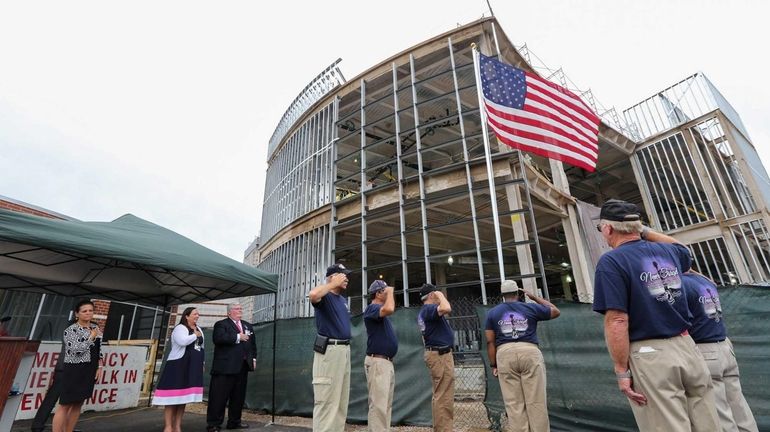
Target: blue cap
336,268
377,285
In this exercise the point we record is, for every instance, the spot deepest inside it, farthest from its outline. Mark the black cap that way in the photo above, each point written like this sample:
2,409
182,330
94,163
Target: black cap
426,289
377,285
5,319
336,268
619,211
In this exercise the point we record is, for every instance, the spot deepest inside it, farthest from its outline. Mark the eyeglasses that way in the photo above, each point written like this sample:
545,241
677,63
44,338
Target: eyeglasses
599,227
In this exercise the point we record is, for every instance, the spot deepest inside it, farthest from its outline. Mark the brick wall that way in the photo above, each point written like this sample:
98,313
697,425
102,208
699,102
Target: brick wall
8,205
101,310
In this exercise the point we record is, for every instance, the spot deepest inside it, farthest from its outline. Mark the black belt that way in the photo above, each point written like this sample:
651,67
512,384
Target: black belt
440,350
390,359
710,341
339,341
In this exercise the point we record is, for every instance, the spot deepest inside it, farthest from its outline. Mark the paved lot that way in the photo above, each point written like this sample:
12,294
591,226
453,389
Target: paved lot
148,419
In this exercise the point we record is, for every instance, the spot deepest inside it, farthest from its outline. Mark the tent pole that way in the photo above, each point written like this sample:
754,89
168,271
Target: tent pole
160,334
275,326
37,317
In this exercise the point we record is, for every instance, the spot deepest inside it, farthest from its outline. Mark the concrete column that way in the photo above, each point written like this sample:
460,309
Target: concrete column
735,251
576,246
519,225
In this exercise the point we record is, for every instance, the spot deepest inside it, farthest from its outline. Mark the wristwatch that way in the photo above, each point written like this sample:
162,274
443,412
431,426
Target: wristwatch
623,375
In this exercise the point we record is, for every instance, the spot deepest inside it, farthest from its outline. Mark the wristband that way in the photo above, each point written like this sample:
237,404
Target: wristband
493,366
623,375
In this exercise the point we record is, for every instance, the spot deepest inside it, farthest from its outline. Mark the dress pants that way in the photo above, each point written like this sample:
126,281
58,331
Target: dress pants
442,374
51,397
227,390
521,372
732,408
673,375
380,381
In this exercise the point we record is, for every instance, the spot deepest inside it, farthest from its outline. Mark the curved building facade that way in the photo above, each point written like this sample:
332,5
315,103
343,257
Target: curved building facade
392,174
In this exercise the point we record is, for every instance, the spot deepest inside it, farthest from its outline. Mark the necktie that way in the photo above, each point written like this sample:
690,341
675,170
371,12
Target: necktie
240,330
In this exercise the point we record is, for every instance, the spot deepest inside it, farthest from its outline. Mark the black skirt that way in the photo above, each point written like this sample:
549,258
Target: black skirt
78,381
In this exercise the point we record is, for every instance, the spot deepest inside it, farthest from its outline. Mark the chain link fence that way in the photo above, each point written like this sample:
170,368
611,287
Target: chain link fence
470,376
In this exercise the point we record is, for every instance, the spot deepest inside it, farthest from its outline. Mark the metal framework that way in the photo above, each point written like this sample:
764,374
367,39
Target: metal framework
391,174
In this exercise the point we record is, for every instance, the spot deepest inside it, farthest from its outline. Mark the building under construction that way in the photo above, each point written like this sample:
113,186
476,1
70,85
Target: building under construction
389,173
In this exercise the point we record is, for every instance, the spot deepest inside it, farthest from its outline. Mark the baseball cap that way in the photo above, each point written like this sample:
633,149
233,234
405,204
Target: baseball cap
336,268
427,289
377,285
619,211
508,286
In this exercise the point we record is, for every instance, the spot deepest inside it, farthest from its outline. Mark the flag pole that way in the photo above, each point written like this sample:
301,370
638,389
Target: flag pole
488,158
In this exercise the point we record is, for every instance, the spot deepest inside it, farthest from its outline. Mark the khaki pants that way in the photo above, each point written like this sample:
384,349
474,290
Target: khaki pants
442,374
331,388
521,372
734,413
673,376
380,380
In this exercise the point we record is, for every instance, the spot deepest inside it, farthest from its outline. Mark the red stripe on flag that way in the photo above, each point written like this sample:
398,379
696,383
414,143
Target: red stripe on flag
561,113
591,141
541,152
568,141
567,152
567,97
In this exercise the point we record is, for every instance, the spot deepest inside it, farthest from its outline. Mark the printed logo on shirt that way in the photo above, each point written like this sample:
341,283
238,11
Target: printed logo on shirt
513,324
709,299
421,324
661,279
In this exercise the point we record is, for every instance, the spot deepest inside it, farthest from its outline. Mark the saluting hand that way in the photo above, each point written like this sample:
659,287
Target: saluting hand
337,279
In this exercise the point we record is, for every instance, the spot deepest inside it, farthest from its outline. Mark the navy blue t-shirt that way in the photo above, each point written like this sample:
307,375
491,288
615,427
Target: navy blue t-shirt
703,300
381,336
516,321
643,279
331,316
434,328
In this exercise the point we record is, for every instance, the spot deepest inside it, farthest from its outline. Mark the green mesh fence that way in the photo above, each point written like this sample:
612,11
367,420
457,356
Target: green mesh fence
582,391
581,387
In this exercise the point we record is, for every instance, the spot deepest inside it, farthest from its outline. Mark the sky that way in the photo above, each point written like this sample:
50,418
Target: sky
164,109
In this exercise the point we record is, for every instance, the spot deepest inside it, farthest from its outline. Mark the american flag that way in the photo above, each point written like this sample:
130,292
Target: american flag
535,115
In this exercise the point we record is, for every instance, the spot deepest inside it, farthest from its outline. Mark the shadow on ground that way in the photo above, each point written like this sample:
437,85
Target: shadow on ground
146,419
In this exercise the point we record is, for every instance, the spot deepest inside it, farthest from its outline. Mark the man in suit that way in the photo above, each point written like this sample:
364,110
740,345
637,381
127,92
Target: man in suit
235,354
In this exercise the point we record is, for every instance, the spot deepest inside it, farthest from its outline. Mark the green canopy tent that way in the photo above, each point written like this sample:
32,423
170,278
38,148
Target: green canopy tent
128,259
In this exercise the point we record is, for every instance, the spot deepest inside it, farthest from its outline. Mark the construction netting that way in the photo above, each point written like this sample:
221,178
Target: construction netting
581,386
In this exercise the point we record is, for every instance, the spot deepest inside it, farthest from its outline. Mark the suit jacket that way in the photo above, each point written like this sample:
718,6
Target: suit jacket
229,355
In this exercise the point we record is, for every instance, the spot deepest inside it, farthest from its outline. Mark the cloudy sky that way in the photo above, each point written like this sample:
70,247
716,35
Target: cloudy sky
164,109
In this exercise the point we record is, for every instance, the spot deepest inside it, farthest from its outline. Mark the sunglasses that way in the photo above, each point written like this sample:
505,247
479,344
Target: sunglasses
599,227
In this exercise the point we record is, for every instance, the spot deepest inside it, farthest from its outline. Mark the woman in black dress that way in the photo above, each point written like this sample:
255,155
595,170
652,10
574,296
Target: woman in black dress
82,350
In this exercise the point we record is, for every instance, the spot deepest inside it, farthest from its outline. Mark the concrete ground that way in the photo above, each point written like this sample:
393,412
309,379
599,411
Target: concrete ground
147,419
